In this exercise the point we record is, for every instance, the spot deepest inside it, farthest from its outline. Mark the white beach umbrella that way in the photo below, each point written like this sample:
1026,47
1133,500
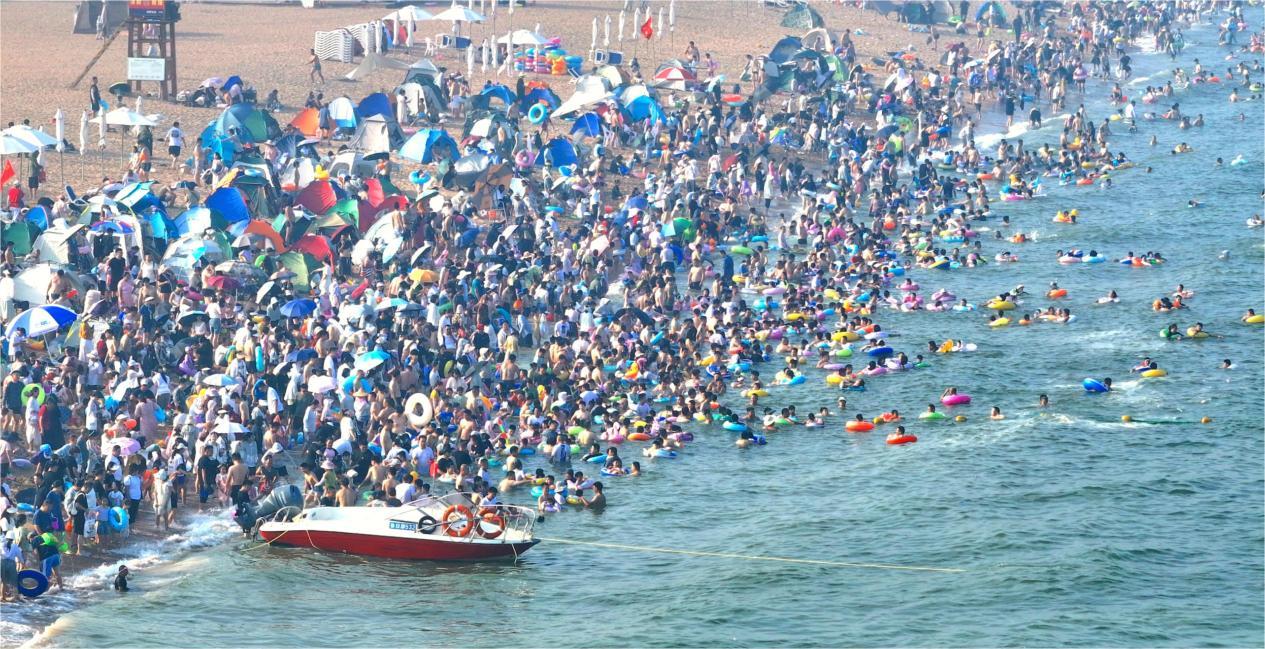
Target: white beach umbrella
125,117
138,104
483,56
672,15
458,15
636,23
10,145
469,62
606,31
593,42
659,25
405,14
621,26
83,131
59,129
100,119
523,37
36,138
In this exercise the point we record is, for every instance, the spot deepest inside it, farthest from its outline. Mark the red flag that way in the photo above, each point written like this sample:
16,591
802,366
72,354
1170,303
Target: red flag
646,29
8,173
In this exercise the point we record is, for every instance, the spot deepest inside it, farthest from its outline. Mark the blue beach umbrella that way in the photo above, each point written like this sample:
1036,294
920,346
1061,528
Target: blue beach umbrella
41,320
589,124
370,360
298,308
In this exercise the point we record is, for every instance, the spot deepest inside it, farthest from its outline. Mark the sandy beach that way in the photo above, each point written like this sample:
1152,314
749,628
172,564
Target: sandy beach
267,45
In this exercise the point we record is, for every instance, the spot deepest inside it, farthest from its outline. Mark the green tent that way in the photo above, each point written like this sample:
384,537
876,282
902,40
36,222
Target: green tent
302,265
803,17
21,234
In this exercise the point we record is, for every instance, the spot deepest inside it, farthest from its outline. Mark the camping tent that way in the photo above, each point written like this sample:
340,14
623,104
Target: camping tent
54,244
423,69
372,136
373,63
29,285
803,17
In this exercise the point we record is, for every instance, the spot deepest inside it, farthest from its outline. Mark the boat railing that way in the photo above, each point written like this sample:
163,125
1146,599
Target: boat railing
519,521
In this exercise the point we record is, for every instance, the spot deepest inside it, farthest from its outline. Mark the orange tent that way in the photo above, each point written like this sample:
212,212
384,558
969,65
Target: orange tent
265,230
308,122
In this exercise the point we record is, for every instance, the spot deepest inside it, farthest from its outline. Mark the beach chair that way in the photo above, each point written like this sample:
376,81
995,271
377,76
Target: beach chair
429,48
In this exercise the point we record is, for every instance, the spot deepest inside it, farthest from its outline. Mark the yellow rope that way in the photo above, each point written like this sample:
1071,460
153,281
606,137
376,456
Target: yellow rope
727,555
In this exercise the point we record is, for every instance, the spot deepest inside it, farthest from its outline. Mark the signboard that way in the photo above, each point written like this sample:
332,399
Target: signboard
151,11
142,69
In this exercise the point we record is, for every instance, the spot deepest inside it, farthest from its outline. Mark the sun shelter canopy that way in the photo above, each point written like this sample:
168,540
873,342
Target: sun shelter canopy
522,37
53,244
374,62
411,12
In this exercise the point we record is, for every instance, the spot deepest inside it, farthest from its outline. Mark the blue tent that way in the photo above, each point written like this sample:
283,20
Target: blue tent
589,124
643,108
499,91
558,152
538,95
38,216
232,81
375,104
228,202
424,144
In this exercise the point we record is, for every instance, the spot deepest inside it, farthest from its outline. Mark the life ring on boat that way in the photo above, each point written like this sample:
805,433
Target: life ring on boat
537,114
415,418
460,526
39,588
489,516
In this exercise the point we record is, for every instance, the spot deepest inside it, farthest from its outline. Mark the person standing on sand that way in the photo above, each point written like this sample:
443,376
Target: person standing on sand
94,97
175,142
315,62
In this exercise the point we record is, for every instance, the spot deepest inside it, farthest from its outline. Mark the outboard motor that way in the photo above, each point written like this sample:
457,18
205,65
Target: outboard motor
282,497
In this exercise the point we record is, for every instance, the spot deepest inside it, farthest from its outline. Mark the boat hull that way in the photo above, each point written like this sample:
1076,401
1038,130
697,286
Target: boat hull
419,548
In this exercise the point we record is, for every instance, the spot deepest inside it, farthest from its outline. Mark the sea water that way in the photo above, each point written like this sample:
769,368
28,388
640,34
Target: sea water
1071,527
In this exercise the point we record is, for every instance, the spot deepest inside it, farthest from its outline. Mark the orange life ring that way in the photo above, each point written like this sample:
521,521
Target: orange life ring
450,527
858,426
902,439
1058,292
639,437
489,516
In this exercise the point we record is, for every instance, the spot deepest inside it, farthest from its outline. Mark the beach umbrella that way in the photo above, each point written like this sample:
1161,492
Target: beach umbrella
593,42
321,384
410,12
126,445
222,283
469,61
523,37
458,14
10,145
621,25
36,138
100,119
606,31
672,15
124,117
298,308
483,56
83,132
189,317
368,361
636,21
220,381
229,427
41,320
659,25
59,129
111,226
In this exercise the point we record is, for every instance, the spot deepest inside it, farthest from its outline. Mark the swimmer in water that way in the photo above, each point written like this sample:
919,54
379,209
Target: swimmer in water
1110,298
1154,140
1043,401
1227,365
996,413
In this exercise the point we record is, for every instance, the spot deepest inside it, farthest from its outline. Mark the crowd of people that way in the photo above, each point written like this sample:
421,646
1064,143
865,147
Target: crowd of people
561,313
